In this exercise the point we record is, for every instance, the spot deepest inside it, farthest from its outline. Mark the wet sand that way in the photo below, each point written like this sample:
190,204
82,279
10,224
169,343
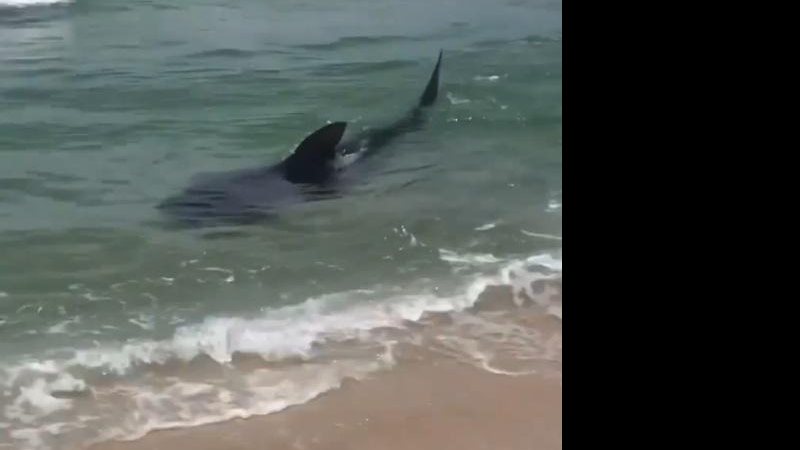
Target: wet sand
420,404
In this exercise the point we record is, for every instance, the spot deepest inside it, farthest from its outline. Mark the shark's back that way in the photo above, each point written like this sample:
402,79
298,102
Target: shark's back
238,197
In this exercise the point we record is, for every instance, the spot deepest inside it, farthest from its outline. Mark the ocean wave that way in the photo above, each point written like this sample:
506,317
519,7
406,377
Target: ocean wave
24,3
235,367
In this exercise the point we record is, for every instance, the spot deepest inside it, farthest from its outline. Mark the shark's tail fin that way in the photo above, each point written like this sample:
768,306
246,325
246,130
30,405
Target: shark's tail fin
378,137
432,89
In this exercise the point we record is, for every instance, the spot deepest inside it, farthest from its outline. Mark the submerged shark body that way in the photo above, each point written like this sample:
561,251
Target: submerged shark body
312,172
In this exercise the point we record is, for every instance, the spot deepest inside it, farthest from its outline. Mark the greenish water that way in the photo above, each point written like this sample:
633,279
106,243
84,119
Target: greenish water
107,107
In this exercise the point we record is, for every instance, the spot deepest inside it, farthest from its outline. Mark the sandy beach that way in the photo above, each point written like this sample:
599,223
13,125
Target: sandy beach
420,404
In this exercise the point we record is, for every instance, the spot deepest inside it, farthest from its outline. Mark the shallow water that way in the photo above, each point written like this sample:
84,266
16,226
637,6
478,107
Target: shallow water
108,107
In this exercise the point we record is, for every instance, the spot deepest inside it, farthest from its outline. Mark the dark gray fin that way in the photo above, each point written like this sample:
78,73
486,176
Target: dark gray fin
312,160
432,89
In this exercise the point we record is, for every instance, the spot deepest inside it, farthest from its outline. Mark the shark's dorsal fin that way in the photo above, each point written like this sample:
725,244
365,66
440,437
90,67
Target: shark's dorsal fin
312,160
432,89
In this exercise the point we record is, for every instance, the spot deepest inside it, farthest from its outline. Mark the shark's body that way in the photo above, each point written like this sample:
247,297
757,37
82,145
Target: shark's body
313,171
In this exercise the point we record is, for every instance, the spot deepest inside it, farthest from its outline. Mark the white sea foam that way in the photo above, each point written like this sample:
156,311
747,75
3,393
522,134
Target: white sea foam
23,3
49,397
467,258
553,205
456,100
541,235
62,326
486,227
489,77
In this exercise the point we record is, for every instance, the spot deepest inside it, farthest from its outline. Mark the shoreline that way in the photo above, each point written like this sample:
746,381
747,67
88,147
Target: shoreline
420,404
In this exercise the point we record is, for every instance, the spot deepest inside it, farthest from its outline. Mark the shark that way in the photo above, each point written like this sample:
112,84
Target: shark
315,170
